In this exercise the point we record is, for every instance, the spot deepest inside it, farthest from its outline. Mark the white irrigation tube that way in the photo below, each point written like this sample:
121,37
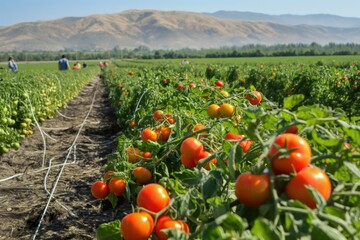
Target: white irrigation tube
142,95
36,171
62,169
48,192
38,125
64,115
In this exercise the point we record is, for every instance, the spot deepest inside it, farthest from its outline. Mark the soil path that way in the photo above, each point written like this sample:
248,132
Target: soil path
74,214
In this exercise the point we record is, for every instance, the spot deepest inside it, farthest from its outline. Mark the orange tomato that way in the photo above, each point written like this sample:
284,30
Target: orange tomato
198,127
158,115
213,110
188,162
191,148
142,175
137,226
163,133
153,197
192,85
226,110
117,186
252,190
132,124
148,134
133,154
146,155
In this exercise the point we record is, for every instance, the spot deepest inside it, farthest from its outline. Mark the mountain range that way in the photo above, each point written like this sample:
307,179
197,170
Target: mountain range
176,30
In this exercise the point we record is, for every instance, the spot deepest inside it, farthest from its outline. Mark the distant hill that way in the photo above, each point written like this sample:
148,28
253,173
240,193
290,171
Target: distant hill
289,19
161,30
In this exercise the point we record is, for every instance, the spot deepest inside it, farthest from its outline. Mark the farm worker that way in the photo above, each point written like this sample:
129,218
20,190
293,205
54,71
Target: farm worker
64,63
77,66
12,64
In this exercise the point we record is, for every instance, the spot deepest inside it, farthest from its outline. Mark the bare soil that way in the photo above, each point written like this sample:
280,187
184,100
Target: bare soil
74,213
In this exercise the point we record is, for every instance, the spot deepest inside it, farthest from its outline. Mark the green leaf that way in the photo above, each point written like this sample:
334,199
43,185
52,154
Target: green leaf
293,100
188,177
354,133
334,211
353,168
324,232
319,199
264,229
113,199
253,112
209,188
328,142
109,231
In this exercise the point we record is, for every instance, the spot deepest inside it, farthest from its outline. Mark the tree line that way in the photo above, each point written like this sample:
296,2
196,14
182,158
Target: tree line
143,52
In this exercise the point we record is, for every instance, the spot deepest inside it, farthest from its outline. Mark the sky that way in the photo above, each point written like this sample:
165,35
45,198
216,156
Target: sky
12,12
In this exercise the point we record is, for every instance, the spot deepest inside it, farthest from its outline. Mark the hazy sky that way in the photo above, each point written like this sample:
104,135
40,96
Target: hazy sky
16,11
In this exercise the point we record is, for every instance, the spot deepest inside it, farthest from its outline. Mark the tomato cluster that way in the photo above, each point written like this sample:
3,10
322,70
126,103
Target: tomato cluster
154,200
192,151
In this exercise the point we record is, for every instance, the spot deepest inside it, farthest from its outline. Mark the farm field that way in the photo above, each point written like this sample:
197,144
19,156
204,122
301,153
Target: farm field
201,133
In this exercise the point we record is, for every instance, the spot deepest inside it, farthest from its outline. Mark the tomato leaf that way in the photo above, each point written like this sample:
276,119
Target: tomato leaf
328,142
319,199
293,100
324,232
264,229
353,168
113,199
253,112
109,231
188,177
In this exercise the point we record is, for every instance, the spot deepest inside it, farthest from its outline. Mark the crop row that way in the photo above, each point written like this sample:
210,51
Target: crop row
33,95
230,163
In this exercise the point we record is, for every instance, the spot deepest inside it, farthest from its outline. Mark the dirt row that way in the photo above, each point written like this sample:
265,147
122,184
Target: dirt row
74,213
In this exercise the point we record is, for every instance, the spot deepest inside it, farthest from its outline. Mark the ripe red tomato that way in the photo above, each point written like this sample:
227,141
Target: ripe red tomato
296,160
180,87
107,175
153,197
148,134
117,186
137,226
142,175
245,144
254,98
191,147
158,115
192,85
219,83
146,155
309,176
163,133
132,124
205,154
292,129
252,190
100,190
165,222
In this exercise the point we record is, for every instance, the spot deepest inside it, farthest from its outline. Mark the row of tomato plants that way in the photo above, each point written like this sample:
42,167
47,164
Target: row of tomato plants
202,159
27,96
